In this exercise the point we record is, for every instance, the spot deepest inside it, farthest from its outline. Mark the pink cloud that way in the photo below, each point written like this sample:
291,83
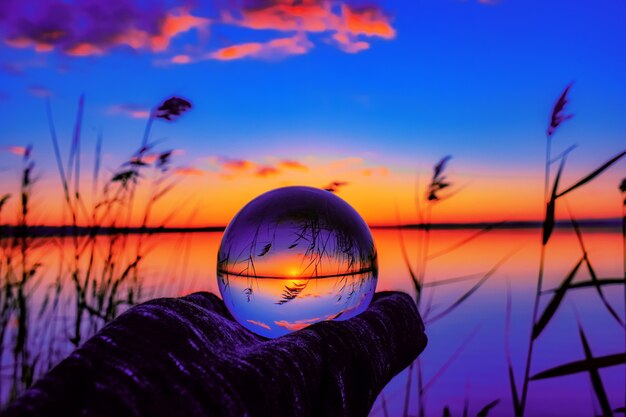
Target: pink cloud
181,59
298,325
347,43
368,172
92,28
237,164
266,171
18,150
189,171
260,324
292,164
134,111
276,48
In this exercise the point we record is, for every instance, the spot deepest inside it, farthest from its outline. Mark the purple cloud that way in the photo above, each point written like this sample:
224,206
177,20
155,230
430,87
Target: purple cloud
92,27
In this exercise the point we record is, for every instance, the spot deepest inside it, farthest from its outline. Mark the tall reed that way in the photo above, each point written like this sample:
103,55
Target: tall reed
104,278
552,194
436,191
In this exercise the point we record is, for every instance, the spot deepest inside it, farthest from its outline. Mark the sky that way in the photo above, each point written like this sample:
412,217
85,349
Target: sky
307,92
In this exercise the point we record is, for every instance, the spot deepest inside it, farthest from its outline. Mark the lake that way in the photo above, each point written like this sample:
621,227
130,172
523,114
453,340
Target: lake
56,304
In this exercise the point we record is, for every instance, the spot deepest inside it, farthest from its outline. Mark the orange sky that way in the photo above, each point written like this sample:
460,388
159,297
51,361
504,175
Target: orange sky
211,193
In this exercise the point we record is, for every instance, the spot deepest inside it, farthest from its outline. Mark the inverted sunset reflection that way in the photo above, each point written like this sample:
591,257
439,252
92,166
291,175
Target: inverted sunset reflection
295,256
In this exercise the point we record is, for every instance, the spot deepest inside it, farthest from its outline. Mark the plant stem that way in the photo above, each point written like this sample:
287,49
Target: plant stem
546,188
539,282
407,395
624,249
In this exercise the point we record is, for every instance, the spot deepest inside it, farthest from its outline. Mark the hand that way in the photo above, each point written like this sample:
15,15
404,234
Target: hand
188,357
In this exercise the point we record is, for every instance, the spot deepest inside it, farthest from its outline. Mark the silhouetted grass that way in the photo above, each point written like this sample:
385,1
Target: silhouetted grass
539,324
553,194
622,188
432,195
103,277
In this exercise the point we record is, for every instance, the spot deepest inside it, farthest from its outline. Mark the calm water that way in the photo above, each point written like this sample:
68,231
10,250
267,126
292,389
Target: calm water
41,328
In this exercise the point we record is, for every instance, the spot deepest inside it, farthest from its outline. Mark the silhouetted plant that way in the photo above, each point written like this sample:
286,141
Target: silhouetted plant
104,279
334,186
539,323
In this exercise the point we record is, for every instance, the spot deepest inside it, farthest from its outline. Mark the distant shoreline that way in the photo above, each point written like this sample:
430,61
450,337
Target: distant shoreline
56,231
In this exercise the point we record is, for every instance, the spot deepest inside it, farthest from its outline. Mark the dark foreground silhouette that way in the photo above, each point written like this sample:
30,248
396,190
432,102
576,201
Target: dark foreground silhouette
188,357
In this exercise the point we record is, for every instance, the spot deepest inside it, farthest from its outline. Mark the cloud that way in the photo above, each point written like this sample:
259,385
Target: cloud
368,172
83,28
260,324
313,16
91,27
298,325
236,164
368,21
189,171
292,164
130,110
39,91
348,44
344,163
350,168
18,150
181,59
266,171
347,25
276,48
231,168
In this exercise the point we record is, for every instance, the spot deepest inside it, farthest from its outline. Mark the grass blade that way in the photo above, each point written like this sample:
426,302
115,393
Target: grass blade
454,280
55,145
564,153
450,360
407,395
591,283
472,290
594,174
96,167
486,409
548,224
467,240
507,332
596,381
77,129
582,366
417,285
592,272
554,304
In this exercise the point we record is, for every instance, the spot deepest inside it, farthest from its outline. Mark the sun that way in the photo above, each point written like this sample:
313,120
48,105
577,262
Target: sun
293,272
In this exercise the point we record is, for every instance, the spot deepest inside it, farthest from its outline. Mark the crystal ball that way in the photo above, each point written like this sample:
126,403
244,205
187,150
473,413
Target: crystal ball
296,256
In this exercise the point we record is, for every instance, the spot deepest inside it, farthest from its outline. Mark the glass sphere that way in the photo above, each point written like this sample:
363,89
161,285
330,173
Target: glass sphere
295,256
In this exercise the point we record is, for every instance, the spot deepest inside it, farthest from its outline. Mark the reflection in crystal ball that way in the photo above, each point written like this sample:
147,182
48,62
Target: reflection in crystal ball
295,256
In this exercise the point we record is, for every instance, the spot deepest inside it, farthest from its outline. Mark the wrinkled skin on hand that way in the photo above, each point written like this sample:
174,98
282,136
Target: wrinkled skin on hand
188,357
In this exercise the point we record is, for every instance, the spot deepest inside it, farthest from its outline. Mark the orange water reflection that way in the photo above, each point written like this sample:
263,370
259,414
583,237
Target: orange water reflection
178,264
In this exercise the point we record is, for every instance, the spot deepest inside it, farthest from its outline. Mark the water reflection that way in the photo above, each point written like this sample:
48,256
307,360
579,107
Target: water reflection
273,307
295,256
173,265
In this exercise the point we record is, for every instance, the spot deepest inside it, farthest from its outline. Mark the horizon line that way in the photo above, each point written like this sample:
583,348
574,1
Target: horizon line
48,230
